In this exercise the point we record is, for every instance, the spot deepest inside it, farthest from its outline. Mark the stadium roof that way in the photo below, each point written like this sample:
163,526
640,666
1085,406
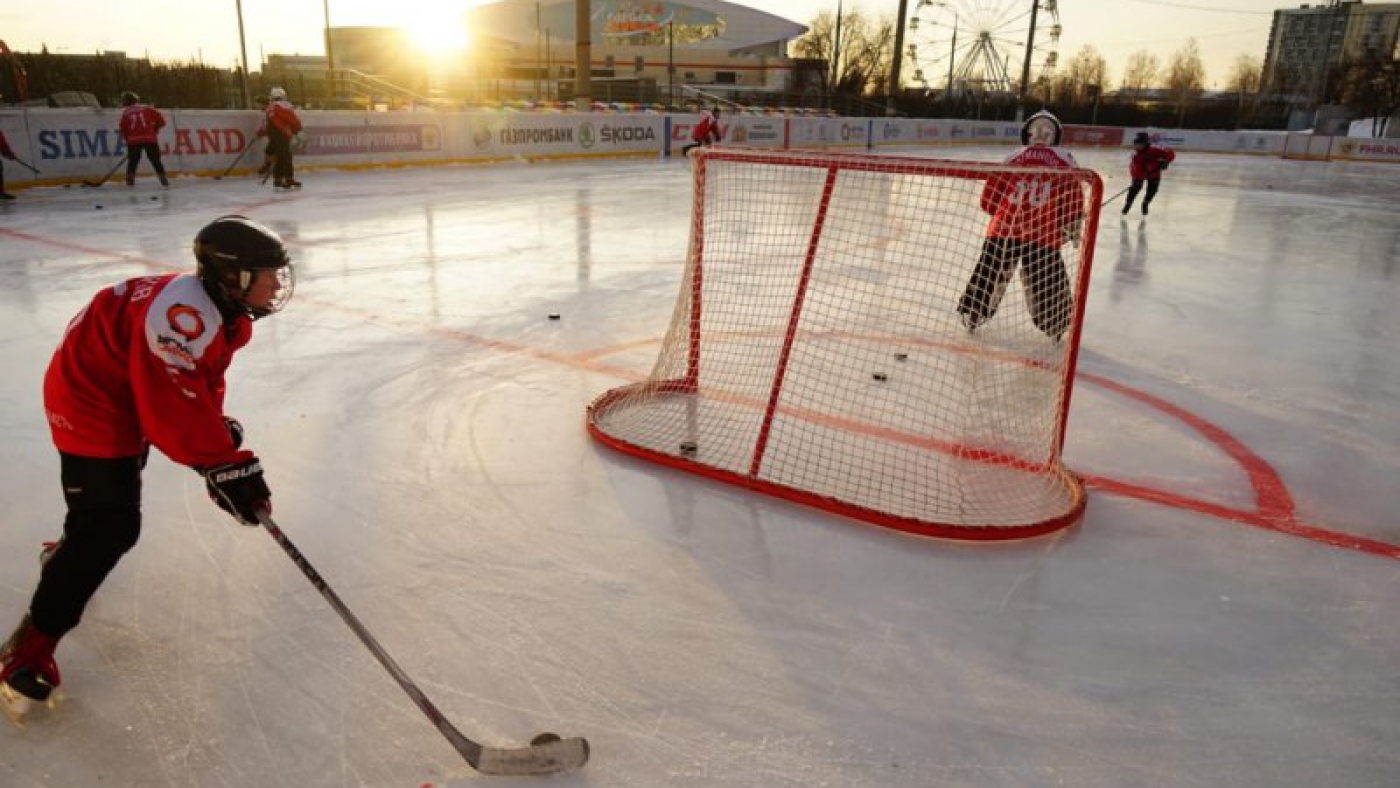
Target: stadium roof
695,24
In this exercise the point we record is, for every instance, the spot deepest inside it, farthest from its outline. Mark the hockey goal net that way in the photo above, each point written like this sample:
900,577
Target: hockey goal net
848,336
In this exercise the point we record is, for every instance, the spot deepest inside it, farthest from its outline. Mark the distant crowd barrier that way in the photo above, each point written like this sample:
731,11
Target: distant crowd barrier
1321,147
70,144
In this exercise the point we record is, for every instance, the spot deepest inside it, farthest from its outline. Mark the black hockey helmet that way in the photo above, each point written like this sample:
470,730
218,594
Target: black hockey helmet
129,98
230,250
1142,138
1041,117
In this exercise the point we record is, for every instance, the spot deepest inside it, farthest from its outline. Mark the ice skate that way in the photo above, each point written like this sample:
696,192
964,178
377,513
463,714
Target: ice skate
28,673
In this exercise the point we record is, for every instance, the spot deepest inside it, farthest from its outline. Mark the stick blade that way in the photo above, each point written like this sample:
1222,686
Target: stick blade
550,757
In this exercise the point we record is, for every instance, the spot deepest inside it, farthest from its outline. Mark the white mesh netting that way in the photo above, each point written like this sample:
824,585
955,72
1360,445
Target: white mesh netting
888,338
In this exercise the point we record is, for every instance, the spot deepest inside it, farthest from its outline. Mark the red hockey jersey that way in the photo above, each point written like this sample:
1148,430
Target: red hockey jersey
1148,163
280,114
143,363
1037,205
140,124
706,130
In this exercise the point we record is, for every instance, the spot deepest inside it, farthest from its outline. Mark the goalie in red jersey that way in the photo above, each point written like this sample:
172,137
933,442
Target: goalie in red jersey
1033,215
143,364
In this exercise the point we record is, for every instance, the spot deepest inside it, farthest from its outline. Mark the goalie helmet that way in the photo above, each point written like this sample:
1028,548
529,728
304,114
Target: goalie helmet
277,94
1039,121
230,251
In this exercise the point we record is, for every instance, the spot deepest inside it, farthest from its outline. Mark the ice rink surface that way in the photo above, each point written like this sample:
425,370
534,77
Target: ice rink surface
1225,615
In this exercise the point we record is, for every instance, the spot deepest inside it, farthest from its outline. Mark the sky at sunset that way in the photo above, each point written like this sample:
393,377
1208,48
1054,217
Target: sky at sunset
207,29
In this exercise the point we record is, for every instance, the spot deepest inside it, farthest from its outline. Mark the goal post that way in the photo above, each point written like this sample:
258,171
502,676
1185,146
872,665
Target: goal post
888,338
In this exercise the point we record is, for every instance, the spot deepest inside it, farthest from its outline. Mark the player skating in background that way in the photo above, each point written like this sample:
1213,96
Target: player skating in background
706,132
140,128
269,160
143,364
8,153
283,128
1032,216
1147,165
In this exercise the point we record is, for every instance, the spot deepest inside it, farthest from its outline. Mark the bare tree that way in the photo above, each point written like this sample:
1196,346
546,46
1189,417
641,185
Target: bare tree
1142,72
1245,76
1085,74
1372,87
866,46
1186,77
819,43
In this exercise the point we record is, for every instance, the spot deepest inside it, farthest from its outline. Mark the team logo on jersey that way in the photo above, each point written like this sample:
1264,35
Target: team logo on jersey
185,321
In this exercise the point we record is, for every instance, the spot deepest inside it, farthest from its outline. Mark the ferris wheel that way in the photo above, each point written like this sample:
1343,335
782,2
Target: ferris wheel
979,46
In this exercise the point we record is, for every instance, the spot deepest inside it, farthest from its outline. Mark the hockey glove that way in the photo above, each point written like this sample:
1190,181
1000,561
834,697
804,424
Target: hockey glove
238,488
235,431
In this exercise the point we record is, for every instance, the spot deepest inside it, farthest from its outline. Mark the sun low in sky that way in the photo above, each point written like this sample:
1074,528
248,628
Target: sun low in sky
441,34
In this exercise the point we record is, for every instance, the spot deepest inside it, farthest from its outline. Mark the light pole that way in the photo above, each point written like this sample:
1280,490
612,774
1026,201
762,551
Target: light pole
898,58
243,47
583,56
1026,65
836,55
330,57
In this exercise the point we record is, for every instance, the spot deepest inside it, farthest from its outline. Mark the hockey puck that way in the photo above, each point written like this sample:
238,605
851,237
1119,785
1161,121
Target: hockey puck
544,738
67,185
688,447
553,315
880,376
97,207
901,356
154,198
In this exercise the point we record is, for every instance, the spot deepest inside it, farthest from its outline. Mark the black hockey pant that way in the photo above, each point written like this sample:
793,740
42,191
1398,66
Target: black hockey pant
280,146
1133,190
133,158
1043,278
103,522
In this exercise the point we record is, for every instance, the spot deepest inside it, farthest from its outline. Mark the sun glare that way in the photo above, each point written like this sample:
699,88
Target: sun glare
439,36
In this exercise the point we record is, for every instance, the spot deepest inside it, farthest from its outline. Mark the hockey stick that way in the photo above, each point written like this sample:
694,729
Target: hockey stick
116,167
1114,197
237,159
25,164
546,753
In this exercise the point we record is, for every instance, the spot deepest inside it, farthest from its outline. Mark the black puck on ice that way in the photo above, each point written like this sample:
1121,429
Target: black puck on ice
97,207
544,738
688,447
901,356
154,198
880,376
553,315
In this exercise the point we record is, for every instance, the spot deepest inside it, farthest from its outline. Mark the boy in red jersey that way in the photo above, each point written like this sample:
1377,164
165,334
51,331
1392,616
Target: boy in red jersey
140,127
706,132
1032,217
1146,166
143,364
283,127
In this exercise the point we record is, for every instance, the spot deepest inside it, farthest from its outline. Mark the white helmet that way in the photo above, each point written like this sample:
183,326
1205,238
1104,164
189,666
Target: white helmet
277,93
